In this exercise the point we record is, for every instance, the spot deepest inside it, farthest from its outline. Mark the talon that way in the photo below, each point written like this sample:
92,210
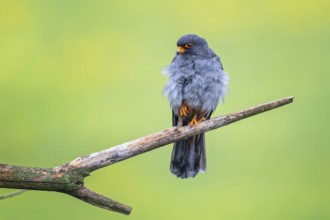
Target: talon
183,110
194,121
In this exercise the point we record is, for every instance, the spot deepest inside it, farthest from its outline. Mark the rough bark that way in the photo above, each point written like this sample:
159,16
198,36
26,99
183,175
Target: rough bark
69,178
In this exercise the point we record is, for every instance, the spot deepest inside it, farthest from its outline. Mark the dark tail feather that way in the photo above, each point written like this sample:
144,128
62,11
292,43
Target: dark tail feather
189,157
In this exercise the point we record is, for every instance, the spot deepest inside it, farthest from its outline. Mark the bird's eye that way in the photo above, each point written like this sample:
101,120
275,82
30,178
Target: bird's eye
188,45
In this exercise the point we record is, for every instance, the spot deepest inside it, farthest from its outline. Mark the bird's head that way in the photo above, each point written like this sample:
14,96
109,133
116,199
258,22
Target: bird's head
192,44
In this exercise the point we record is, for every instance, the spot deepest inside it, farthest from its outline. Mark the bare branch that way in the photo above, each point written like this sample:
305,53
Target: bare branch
69,178
100,201
69,182
124,151
19,192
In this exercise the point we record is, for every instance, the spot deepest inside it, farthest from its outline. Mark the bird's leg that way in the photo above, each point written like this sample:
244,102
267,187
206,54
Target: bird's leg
183,110
194,120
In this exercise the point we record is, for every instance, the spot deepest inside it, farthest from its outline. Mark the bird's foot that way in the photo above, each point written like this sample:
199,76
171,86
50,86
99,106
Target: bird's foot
194,121
183,110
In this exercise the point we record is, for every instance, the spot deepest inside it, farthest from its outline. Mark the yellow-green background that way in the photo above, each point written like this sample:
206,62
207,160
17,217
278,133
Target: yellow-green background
80,76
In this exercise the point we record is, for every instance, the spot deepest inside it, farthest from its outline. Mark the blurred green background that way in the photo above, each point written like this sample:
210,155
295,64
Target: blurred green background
80,76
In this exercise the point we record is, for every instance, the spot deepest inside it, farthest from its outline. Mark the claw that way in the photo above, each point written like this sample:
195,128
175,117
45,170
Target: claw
183,110
194,121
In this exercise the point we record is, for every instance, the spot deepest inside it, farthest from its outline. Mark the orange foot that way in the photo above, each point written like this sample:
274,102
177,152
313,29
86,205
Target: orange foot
194,121
183,110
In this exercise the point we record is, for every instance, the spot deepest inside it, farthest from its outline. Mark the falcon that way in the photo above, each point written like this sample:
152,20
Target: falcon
196,83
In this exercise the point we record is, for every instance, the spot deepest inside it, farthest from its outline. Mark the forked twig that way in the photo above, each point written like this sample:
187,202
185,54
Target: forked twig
69,178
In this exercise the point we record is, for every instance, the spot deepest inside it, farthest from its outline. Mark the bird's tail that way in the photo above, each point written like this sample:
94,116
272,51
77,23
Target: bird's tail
189,157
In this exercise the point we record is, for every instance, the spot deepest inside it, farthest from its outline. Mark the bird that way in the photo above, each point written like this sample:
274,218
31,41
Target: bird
196,84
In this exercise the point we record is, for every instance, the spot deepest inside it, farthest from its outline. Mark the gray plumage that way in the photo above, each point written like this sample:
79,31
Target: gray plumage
197,80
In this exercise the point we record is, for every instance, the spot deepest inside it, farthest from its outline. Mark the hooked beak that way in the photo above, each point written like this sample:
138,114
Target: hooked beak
181,50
